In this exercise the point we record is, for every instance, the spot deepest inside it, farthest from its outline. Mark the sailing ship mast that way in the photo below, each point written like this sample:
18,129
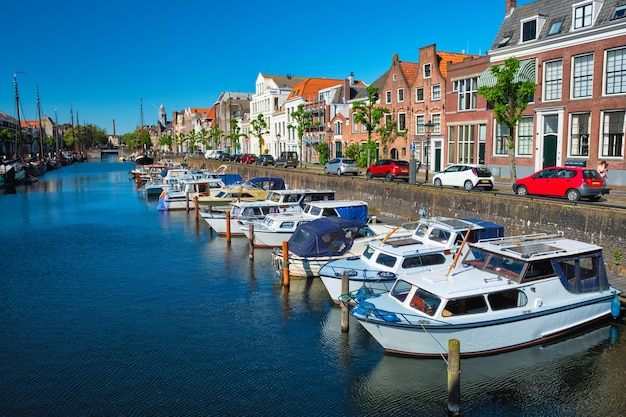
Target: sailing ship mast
41,156
20,139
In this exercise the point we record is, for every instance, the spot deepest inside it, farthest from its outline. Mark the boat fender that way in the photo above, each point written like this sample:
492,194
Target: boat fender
615,306
538,302
163,194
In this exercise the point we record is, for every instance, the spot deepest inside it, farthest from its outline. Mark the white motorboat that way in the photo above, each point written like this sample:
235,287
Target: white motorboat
278,228
315,243
507,293
277,201
431,246
180,196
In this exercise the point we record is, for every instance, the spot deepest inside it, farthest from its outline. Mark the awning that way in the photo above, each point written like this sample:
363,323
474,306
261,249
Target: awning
525,72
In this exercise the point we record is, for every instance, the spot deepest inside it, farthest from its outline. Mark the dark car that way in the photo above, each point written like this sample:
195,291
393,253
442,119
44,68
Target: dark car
224,157
287,159
570,182
236,157
265,159
390,169
248,158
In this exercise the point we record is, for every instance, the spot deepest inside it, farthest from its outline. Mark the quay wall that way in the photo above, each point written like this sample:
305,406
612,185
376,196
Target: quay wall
589,223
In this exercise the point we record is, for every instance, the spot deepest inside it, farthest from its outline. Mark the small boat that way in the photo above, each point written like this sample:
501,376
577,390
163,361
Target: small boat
240,192
144,159
315,243
278,228
277,201
506,294
180,196
432,245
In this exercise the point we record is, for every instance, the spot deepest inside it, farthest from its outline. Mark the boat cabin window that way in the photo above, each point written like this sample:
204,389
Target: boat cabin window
439,235
583,274
538,270
386,260
425,301
421,230
287,225
498,264
507,299
400,290
423,260
300,236
292,198
469,305
368,252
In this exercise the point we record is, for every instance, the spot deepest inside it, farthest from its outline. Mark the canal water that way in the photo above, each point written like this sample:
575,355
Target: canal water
109,307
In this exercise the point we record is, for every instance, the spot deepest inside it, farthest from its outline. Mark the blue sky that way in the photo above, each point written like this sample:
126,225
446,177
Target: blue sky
102,58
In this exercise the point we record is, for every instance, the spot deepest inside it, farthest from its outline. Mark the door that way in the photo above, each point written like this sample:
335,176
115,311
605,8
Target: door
550,138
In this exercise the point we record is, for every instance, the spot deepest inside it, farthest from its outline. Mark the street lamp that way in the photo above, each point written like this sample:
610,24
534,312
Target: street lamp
428,129
278,144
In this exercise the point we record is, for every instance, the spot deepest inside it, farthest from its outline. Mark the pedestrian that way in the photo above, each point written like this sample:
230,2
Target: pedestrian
603,170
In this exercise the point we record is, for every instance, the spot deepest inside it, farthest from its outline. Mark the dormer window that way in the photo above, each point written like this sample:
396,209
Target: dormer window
531,28
620,11
585,13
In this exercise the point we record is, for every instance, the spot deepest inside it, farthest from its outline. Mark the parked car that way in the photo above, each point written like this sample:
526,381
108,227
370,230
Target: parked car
572,183
265,159
248,158
341,166
468,176
390,169
213,154
236,157
224,156
287,159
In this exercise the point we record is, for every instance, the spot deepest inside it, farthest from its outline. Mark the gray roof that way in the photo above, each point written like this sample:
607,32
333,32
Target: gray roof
553,11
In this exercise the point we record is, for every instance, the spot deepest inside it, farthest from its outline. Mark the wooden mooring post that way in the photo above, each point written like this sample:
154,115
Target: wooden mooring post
285,263
454,377
196,207
345,313
251,241
228,226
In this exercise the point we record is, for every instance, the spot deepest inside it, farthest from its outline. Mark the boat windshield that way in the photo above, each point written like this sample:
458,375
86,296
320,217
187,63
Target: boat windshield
496,263
368,252
421,299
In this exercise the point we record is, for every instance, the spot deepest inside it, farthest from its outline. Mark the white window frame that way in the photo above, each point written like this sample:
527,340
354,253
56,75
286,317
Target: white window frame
527,134
428,71
622,76
604,135
553,87
417,100
579,137
467,90
539,22
400,128
585,78
388,97
432,92
400,95
419,124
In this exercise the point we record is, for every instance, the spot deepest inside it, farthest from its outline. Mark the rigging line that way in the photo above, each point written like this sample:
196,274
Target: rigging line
436,341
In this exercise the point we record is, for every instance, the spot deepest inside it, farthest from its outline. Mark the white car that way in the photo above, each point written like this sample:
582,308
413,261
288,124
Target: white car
468,176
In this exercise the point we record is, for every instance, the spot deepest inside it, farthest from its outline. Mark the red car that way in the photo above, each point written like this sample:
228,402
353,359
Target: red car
390,169
248,158
570,182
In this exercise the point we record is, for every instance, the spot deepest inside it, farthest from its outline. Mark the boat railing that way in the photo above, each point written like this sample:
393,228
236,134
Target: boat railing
508,240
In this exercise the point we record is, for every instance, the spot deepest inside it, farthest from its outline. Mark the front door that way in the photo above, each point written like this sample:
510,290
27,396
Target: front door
550,140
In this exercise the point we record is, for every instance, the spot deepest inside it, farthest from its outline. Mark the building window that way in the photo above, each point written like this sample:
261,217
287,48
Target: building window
427,71
401,122
338,127
582,16
616,71
555,27
436,92
451,143
388,97
419,125
529,30
395,77
620,11
502,135
354,124
466,144
553,80
436,120
583,76
525,136
613,134
419,94
467,93
400,95
579,140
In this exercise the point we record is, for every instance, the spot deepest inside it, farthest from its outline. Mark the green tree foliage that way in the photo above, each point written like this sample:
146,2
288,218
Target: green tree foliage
388,133
369,115
323,151
509,99
234,136
84,137
302,120
215,135
259,128
138,139
167,141
7,142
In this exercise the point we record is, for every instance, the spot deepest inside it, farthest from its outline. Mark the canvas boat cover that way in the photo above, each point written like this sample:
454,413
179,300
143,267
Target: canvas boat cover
327,236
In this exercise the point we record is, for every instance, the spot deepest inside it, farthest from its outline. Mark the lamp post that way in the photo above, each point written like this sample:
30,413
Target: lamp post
428,129
412,163
278,145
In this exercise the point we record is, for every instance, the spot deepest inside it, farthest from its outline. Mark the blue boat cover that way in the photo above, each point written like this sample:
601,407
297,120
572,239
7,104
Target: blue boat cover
489,230
230,179
326,236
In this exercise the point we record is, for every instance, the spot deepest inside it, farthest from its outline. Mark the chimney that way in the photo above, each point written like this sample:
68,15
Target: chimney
351,78
510,6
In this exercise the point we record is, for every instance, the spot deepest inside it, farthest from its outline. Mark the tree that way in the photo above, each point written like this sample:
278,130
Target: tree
166,140
388,133
324,152
509,99
234,135
215,135
302,120
369,115
259,128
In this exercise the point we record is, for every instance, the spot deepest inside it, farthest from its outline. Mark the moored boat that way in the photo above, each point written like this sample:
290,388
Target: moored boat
507,293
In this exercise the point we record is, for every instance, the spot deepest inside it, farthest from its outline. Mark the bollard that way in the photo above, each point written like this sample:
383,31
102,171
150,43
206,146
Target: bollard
251,241
228,226
196,207
454,377
285,263
345,313
187,200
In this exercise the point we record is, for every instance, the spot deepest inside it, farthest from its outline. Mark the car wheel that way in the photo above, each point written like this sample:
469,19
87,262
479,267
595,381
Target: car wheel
368,175
468,185
339,172
572,195
325,170
389,177
521,190
437,182
355,174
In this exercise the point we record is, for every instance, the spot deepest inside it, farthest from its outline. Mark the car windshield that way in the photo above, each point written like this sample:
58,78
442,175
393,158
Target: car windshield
591,174
483,172
401,163
348,161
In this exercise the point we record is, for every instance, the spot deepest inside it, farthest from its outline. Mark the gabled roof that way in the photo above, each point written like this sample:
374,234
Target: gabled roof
553,11
282,81
309,88
446,58
410,71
